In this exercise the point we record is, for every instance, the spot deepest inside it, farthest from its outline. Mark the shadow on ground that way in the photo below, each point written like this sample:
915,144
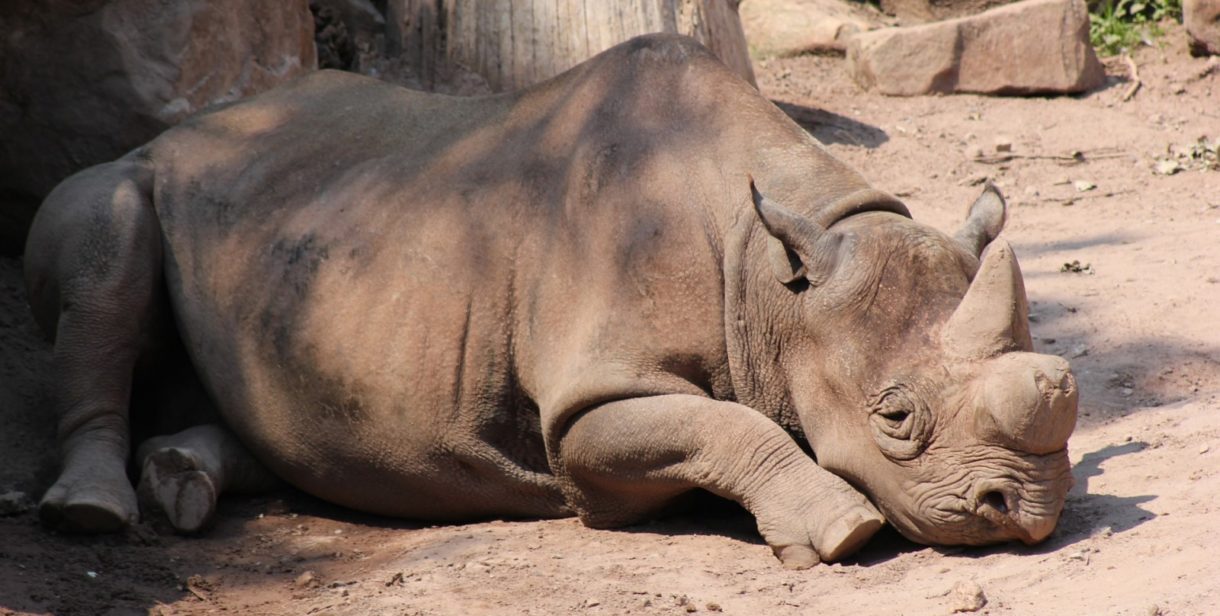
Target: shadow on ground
1029,249
832,128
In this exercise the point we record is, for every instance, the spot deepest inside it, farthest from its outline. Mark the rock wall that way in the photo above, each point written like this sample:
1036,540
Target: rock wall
84,81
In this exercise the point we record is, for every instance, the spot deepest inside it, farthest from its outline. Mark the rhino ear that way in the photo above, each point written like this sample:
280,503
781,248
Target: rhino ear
984,222
798,247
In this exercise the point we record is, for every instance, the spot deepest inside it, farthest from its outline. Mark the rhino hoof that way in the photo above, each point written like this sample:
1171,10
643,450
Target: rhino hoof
82,516
796,556
849,533
173,484
89,508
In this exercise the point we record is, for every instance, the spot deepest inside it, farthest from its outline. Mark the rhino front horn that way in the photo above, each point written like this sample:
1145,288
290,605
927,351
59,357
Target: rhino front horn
1028,402
993,317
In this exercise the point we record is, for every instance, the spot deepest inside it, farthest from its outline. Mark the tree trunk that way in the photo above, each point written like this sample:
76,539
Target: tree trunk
516,43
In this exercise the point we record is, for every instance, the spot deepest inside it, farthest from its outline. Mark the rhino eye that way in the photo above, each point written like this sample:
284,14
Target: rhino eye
895,417
898,423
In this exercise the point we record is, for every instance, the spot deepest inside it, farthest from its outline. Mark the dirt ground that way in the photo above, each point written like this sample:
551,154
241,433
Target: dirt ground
1139,321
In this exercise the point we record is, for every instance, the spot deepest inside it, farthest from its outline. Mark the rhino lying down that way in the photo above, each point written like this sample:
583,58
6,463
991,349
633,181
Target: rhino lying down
588,298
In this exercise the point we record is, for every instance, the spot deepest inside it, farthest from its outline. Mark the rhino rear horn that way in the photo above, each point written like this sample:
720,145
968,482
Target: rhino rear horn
984,222
798,247
993,317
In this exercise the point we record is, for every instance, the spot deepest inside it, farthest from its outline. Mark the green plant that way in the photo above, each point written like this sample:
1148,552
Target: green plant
1118,25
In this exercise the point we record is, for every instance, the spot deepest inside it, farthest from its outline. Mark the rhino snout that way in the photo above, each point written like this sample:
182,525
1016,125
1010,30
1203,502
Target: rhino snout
1028,403
1000,502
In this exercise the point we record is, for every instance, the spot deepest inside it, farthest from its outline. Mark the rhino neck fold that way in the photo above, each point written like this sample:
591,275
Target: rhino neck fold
753,352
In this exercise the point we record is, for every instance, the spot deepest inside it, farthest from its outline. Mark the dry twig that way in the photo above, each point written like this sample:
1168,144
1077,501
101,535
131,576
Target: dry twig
1135,79
1074,158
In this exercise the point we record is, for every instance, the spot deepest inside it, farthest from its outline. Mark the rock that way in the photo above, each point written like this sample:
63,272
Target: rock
1033,46
967,596
1083,185
307,580
792,27
1003,144
920,11
14,502
85,81
1202,21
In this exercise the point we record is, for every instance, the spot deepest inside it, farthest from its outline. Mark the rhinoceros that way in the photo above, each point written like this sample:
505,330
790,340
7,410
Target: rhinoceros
592,297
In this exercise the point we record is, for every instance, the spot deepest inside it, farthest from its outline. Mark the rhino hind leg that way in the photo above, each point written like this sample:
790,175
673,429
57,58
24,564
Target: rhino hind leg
93,273
184,474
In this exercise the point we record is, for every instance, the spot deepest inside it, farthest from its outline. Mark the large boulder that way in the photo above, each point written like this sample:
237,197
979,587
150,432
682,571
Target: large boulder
1030,47
921,11
84,81
1202,21
791,27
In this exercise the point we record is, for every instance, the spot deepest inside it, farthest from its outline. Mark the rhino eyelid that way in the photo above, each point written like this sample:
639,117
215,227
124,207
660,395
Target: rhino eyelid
894,414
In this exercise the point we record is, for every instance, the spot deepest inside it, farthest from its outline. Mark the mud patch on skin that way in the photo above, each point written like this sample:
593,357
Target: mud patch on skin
299,259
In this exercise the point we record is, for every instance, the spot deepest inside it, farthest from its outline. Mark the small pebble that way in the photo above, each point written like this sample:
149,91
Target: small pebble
306,580
1204,449
1083,185
1167,167
967,596
1003,144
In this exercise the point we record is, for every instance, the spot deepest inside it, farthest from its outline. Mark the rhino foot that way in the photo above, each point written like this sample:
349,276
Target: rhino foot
95,501
848,533
175,484
796,556
844,535
821,519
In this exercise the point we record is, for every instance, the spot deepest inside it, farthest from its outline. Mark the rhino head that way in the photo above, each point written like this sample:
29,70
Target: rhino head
912,373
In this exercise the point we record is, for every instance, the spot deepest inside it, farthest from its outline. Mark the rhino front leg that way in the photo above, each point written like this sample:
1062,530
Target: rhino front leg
183,474
624,460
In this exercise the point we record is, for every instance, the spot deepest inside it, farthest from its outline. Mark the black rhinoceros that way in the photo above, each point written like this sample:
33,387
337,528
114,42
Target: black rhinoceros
570,300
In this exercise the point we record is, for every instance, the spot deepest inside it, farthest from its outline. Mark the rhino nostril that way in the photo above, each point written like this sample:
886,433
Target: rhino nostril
995,500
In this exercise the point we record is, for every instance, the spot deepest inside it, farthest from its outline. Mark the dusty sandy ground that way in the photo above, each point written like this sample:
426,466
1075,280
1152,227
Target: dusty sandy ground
1140,324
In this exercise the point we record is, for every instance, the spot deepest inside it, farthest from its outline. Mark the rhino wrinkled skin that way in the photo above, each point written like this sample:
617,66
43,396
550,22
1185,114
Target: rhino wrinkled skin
590,297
